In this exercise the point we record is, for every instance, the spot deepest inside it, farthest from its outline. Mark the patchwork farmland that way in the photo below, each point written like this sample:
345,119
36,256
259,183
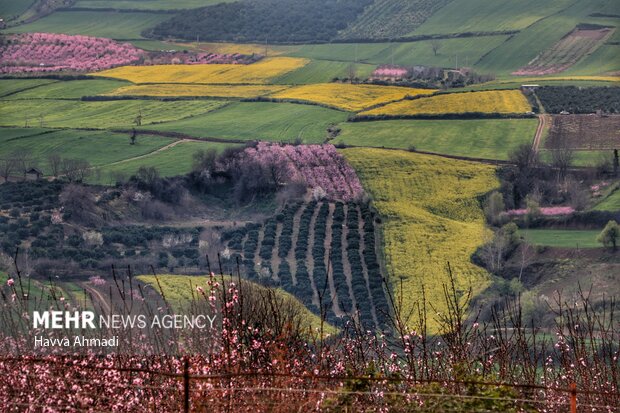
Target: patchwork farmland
385,203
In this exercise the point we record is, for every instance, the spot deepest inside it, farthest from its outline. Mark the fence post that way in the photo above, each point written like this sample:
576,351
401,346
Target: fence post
185,384
573,398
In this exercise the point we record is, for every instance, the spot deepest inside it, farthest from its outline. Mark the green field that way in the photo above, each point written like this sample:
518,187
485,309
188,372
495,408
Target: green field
561,238
488,138
13,8
466,50
74,89
99,115
461,16
259,120
98,147
322,71
9,86
519,50
98,23
581,158
176,160
611,203
9,134
145,5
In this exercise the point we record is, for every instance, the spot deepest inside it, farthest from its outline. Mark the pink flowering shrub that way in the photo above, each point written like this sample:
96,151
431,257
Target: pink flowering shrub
547,211
390,71
319,166
46,52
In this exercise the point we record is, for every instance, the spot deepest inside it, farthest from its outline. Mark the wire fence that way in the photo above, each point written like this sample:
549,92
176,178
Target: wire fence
185,386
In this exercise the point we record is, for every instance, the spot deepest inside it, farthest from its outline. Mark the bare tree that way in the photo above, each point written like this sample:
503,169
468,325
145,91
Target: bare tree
54,161
561,157
7,167
23,159
76,170
435,45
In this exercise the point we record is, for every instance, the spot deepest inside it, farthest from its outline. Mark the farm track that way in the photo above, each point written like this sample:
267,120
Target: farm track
291,254
309,258
96,295
275,257
330,273
543,122
163,148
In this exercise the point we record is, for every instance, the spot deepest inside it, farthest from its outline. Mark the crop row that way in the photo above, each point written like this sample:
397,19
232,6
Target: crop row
340,273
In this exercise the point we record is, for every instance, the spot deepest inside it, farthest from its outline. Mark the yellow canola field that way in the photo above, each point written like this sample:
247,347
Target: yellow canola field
349,96
259,72
171,89
493,101
431,217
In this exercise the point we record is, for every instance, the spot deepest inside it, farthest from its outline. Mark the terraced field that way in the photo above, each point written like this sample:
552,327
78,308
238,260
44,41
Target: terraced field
259,120
431,218
168,89
260,72
349,96
488,138
100,115
323,253
496,101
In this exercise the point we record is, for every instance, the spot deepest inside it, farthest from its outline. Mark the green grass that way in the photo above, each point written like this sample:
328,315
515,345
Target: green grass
100,115
96,23
322,71
461,16
259,120
610,203
13,8
581,158
146,5
488,138
176,160
9,86
97,147
526,45
8,134
180,291
74,89
469,50
561,238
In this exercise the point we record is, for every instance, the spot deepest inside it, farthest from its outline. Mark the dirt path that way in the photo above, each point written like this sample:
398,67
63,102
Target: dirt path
291,254
309,259
97,296
163,148
543,122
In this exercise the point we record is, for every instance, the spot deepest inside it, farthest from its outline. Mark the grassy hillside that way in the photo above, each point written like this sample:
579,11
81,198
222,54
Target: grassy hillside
10,86
145,5
431,217
561,238
180,291
466,50
385,19
489,138
94,23
102,115
520,49
13,8
611,203
66,90
172,161
259,120
98,147
321,71
461,16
